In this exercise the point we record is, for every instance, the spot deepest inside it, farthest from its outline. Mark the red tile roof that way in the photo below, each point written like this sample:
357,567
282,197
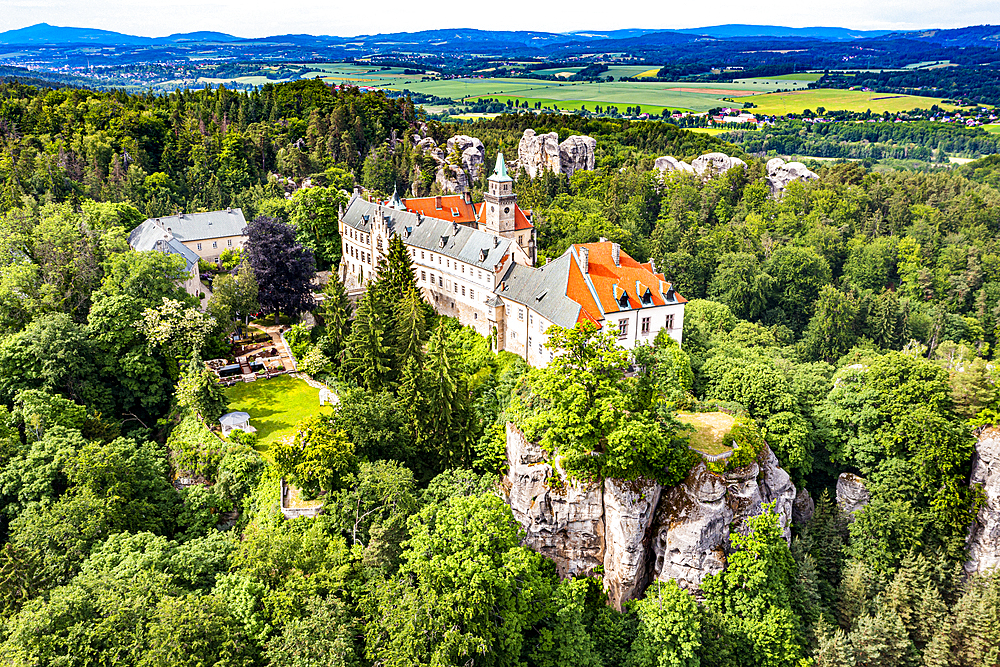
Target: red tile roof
611,281
450,205
520,217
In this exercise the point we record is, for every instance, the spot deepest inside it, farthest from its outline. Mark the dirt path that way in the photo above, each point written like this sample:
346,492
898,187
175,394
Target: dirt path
275,332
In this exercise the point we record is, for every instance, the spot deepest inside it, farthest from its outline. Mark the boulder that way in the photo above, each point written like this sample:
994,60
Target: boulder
668,163
537,153
984,535
577,153
852,495
715,164
781,173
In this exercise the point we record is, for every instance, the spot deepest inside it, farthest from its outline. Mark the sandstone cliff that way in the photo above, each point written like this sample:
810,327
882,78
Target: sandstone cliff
637,531
984,535
670,163
715,164
537,153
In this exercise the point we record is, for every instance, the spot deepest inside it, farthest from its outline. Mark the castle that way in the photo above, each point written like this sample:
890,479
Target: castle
476,262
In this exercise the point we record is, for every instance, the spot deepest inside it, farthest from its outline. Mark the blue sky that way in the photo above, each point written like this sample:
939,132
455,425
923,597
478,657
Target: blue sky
257,18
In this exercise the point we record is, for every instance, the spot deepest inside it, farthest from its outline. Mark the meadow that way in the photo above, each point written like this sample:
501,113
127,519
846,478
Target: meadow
845,100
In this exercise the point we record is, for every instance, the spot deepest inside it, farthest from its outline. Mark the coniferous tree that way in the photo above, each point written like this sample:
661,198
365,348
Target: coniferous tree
369,355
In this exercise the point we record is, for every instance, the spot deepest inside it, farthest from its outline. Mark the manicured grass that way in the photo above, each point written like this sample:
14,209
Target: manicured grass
275,406
710,428
841,100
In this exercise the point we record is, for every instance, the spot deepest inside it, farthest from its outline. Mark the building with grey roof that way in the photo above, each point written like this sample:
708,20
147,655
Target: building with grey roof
152,236
206,234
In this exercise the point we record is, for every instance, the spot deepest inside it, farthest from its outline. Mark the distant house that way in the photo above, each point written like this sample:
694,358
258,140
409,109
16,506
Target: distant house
150,237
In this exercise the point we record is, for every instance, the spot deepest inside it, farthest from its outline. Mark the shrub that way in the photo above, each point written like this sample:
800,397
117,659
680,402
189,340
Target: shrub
747,443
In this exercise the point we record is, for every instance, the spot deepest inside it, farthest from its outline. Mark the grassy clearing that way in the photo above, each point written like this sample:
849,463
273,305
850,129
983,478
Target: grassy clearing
275,406
992,128
842,100
710,429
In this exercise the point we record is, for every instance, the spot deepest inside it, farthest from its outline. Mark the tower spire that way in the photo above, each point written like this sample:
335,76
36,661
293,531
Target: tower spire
500,170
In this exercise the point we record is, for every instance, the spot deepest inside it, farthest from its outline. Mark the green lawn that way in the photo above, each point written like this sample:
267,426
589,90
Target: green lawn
275,406
992,128
710,428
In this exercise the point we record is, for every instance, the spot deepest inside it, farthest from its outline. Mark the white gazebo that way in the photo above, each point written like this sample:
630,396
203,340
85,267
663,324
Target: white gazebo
327,397
236,421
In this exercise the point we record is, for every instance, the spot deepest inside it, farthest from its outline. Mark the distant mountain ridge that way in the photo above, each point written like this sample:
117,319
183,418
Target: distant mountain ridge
43,33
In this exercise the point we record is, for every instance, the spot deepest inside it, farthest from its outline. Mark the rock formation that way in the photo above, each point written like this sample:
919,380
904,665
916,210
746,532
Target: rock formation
668,163
984,536
471,151
694,520
577,153
637,530
851,493
781,173
460,160
715,164
537,153
803,508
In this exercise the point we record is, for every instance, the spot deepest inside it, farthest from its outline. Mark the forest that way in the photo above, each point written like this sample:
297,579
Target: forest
850,324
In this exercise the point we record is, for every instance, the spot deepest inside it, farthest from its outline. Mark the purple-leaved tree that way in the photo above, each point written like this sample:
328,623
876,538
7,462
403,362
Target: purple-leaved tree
283,268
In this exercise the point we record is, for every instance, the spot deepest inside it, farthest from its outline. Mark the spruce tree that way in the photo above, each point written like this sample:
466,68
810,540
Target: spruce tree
370,359
411,326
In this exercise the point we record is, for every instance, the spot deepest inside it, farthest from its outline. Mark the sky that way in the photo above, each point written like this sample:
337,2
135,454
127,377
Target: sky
261,18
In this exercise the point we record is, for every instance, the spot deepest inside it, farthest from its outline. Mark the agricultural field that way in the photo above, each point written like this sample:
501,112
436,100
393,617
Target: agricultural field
847,100
992,128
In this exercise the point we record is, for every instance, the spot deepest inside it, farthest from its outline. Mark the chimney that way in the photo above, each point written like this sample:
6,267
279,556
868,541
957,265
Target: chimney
584,260
603,240
437,203
616,251
652,265
468,197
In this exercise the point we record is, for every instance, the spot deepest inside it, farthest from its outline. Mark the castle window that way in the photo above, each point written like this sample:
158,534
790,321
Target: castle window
520,314
622,328
215,244
456,288
421,254
463,290
199,246
645,326
230,242
670,321
423,276
432,279
472,294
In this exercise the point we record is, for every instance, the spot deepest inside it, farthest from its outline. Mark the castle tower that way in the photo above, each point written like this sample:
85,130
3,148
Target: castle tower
498,210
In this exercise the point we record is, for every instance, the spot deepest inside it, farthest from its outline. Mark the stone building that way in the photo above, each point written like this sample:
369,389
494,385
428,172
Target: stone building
475,262
204,234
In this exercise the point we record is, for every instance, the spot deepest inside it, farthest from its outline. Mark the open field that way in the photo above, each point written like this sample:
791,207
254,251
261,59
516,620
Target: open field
800,81
992,128
710,429
713,130
275,406
846,100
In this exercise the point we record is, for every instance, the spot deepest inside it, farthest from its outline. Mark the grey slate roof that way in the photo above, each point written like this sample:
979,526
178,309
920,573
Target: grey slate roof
465,244
148,236
543,289
200,226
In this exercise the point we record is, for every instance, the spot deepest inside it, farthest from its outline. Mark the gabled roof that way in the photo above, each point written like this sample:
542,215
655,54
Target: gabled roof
466,244
450,205
620,287
149,236
521,221
201,226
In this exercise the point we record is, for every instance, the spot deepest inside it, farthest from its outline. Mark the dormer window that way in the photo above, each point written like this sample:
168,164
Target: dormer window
623,300
647,298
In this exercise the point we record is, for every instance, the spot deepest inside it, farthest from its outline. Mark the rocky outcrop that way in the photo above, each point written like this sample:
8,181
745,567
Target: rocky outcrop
629,508
984,536
564,522
577,153
636,530
695,519
781,173
537,153
715,164
803,508
669,163
470,151
458,161
852,495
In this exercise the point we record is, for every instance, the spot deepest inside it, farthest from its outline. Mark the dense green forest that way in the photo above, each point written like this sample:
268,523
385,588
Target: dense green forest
851,325
913,140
